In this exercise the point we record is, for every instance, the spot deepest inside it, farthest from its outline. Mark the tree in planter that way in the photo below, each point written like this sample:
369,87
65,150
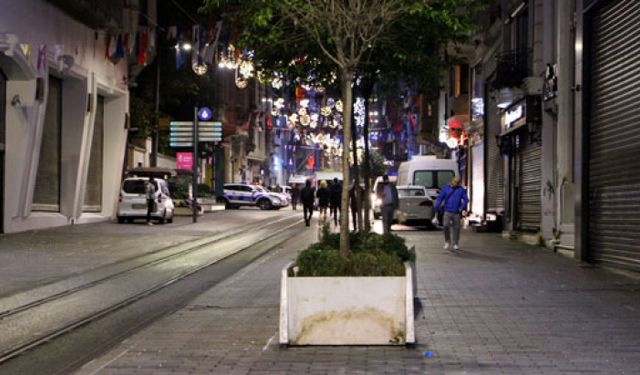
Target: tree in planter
330,33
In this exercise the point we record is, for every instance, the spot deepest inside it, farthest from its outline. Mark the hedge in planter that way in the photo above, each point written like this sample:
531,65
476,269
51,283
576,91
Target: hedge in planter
371,254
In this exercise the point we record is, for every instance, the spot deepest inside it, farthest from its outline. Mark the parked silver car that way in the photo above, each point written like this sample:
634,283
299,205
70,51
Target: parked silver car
414,204
133,201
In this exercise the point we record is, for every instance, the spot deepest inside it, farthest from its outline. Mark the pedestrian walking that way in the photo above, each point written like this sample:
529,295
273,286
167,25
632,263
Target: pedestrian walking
324,196
295,194
307,197
389,203
150,192
453,200
335,200
356,195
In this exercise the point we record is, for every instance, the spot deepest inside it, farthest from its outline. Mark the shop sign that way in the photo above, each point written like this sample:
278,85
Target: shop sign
184,160
513,117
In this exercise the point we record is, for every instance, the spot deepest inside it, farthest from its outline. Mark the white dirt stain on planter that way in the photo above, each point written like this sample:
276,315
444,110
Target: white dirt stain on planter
338,327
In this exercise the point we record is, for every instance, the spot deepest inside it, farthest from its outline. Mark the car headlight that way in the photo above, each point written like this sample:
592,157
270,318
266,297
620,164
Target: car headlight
275,200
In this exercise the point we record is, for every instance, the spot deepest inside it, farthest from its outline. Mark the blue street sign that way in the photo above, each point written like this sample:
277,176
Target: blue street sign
205,114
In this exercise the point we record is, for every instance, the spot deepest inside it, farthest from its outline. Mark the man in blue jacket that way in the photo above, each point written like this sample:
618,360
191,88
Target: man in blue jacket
453,198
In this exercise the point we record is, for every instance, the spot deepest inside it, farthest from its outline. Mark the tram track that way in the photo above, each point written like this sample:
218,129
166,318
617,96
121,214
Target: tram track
13,304
23,330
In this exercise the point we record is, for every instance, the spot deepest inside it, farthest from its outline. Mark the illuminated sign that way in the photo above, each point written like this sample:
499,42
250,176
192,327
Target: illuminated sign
514,116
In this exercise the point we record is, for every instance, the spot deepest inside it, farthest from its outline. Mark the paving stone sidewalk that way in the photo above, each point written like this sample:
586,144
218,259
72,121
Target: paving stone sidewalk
495,307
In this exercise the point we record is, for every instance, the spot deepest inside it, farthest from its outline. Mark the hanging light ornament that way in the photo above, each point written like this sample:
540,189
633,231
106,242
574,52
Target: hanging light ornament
313,124
331,103
277,83
305,120
199,69
339,106
302,111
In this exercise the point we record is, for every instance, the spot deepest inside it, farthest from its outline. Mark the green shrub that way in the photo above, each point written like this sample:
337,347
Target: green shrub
371,255
204,191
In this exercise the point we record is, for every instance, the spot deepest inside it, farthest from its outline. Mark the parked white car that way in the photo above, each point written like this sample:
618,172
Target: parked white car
133,201
415,204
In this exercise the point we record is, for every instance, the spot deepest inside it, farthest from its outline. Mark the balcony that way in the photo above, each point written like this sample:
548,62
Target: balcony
97,14
512,67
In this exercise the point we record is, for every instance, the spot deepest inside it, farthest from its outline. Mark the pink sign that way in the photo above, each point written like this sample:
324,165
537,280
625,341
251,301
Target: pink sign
184,160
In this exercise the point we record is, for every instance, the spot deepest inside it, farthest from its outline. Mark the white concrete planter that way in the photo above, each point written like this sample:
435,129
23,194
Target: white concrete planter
347,310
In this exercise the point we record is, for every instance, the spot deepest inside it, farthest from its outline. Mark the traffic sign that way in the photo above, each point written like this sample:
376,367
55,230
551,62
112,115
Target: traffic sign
205,114
181,132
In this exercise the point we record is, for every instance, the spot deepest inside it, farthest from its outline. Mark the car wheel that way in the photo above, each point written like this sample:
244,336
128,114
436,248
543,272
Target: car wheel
264,204
170,220
120,220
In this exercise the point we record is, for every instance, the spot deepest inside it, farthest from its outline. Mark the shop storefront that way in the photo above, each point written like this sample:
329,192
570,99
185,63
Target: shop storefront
612,163
520,141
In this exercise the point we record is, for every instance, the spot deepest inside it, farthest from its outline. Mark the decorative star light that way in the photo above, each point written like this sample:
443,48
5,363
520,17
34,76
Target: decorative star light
325,111
246,69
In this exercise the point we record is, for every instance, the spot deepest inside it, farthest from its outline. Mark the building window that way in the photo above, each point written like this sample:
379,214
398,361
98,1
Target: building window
93,189
46,195
462,79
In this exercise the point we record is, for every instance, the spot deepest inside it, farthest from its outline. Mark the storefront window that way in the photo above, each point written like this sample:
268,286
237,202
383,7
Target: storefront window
46,196
93,191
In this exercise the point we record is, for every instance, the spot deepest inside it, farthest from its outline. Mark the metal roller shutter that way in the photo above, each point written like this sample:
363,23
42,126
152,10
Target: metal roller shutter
494,165
529,186
614,135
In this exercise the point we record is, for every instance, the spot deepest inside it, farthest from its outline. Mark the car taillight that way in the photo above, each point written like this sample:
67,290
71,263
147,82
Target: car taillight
427,203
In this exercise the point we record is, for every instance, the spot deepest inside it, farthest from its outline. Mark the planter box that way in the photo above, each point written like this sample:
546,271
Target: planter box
347,310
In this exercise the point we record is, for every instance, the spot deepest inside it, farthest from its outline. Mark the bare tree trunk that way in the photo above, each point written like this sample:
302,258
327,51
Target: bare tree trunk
346,77
366,171
356,169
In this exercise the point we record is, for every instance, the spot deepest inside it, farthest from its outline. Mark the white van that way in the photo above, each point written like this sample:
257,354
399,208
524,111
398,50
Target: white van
427,171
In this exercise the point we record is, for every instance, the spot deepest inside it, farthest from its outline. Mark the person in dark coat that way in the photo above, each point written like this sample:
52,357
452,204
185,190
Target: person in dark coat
307,197
355,202
295,195
335,200
324,196
389,203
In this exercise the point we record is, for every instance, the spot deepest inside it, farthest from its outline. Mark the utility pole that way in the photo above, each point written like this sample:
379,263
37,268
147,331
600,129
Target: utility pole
194,167
156,126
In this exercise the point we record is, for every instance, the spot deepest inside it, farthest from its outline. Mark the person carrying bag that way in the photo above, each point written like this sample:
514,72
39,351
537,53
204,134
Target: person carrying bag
453,200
